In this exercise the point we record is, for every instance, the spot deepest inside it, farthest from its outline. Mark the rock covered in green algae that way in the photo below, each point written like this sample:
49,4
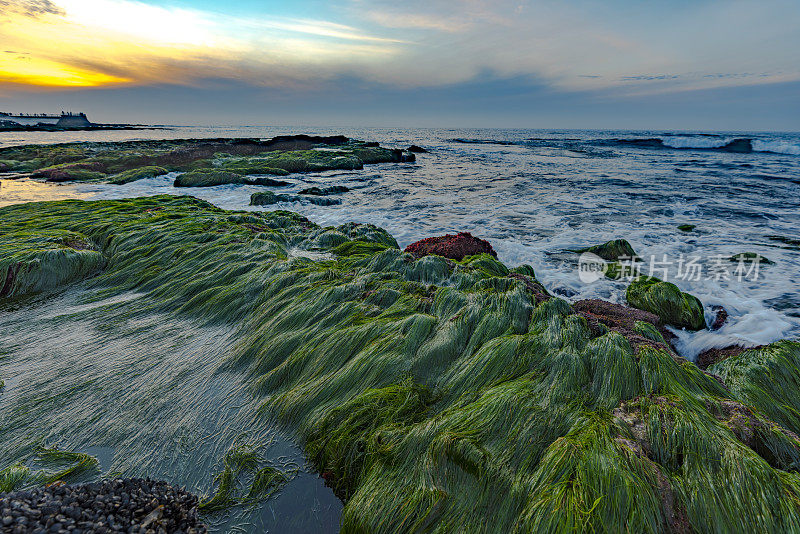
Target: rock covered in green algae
137,174
444,396
613,250
265,198
207,178
686,227
38,260
324,191
132,160
664,299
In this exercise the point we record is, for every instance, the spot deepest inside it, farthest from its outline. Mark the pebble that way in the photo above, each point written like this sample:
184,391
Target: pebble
120,505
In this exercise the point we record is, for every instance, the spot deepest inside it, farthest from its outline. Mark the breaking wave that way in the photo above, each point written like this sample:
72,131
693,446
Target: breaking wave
710,142
743,145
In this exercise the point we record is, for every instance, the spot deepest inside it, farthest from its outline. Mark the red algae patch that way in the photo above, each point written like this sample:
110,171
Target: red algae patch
455,247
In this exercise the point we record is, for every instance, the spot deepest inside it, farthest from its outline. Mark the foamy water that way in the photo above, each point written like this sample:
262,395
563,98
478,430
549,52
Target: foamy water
538,194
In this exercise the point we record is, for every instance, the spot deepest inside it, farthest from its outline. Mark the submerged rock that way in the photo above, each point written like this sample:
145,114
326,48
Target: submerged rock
613,250
456,247
720,319
120,505
324,191
417,149
686,227
664,299
265,198
750,257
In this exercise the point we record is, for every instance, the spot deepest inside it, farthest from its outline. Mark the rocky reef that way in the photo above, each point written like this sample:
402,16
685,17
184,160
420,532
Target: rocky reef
202,162
446,394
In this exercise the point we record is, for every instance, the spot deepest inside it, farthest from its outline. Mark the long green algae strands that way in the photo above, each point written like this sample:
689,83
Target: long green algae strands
438,396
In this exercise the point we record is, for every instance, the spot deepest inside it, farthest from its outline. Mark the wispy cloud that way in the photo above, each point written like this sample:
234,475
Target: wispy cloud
30,8
102,42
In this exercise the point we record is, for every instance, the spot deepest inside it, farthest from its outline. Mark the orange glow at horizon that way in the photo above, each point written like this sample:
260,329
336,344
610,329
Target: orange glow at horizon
43,73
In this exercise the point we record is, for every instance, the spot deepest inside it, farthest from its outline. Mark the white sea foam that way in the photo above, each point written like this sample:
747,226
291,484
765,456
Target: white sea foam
776,147
696,142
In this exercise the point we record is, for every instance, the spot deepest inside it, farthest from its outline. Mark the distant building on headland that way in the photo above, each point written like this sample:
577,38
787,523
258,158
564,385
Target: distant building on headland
64,121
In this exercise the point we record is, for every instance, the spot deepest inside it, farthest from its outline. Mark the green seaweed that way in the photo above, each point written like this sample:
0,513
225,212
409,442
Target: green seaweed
69,465
239,461
14,477
205,161
207,178
441,396
613,250
673,306
139,173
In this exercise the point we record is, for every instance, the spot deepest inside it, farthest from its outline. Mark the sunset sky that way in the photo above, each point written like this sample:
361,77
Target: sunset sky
702,64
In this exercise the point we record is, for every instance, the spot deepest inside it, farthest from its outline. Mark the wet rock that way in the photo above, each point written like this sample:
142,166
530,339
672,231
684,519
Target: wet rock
613,250
664,299
265,198
324,191
719,320
711,356
265,181
207,178
602,316
750,257
121,505
686,227
417,149
69,171
455,247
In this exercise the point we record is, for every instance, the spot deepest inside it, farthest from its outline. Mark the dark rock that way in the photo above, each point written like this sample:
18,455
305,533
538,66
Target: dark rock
77,509
417,149
269,182
719,320
712,356
686,227
750,257
456,247
622,319
324,191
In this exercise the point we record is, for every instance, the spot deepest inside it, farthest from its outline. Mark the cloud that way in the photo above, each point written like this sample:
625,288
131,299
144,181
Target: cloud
569,46
30,8
102,42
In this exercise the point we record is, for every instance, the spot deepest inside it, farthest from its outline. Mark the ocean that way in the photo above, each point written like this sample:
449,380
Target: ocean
536,195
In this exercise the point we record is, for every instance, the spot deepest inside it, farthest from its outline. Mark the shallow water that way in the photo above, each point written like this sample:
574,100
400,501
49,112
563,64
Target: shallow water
537,194
144,393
